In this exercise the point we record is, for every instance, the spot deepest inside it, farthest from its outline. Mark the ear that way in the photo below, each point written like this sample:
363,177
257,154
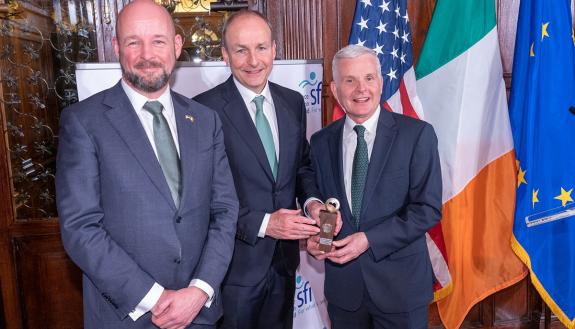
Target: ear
178,44
225,56
334,91
274,49
116,45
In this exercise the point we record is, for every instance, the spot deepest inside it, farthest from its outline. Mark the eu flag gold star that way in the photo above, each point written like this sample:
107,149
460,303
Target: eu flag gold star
521,177
534,197
531,53
544,30
565,196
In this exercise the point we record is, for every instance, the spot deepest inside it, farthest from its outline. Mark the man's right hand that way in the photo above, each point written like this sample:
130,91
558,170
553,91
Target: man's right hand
286,224
312,246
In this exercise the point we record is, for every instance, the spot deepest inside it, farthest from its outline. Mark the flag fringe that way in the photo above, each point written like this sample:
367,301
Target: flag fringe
524,256
443,291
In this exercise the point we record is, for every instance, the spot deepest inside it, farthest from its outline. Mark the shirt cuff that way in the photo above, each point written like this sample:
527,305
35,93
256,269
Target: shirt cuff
148,302
306,203
205,287
264,226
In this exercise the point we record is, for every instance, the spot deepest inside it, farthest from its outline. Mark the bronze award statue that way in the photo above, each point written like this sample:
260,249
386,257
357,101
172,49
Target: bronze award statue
327,220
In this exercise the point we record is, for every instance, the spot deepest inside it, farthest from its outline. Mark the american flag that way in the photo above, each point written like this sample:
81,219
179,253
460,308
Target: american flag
384,27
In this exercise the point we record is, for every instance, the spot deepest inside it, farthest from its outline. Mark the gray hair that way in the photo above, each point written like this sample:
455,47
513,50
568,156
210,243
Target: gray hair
350,52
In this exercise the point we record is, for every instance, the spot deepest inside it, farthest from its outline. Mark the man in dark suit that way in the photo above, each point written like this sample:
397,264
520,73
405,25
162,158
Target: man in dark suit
146,199
384,168
265,137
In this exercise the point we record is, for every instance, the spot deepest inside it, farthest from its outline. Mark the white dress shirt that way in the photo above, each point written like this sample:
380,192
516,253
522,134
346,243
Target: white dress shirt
147,119
350,142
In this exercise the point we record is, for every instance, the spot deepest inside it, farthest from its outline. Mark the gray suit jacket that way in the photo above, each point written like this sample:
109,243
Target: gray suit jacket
118,221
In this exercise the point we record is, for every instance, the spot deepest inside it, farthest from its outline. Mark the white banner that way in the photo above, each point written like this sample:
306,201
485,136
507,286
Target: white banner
190,79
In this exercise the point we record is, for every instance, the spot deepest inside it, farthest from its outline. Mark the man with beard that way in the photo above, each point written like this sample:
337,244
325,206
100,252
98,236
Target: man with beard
145,195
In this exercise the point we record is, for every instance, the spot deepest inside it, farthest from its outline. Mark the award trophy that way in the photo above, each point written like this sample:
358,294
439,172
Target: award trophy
327,221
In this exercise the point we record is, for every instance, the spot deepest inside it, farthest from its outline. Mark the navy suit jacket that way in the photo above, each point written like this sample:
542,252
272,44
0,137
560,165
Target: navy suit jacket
402,200
257,191
118,221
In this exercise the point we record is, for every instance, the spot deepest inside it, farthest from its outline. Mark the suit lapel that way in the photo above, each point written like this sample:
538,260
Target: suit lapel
385,135
127,124
287,127
188,142
336,162
237,113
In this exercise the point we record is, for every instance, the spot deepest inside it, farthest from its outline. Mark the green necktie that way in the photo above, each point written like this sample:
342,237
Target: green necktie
266,136
359,173
166,149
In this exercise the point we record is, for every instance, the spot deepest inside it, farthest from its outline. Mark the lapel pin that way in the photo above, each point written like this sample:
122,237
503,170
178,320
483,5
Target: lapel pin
189,117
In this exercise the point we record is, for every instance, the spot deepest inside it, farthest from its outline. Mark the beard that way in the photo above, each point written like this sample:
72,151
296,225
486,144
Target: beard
148,84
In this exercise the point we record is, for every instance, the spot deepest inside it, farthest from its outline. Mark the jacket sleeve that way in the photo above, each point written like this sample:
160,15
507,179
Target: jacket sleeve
219,245
116,275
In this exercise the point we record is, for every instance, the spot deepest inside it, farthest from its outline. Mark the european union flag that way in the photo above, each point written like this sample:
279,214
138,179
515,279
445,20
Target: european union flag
542,111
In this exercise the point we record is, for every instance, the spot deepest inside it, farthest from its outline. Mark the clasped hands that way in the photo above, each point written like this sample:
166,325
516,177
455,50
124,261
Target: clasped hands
176,309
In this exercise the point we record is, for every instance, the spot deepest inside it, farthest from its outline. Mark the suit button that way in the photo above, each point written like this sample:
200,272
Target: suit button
177,260
179,219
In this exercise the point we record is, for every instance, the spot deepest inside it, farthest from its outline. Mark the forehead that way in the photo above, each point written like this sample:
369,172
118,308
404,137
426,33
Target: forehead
248,28
358,66
140,25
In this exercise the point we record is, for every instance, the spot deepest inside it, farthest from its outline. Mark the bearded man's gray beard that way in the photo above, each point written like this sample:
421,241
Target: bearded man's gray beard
141,83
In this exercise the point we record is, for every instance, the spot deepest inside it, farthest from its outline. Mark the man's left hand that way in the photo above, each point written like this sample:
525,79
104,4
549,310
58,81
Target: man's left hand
348,248
178,308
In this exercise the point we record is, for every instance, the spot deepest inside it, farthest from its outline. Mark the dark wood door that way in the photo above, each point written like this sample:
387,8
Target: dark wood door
40,42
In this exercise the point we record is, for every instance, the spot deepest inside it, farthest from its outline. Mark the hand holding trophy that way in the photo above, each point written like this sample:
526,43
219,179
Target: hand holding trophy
327,220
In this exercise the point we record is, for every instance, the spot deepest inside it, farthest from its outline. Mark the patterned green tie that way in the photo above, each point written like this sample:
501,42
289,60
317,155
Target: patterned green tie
359,173
167,152
266,136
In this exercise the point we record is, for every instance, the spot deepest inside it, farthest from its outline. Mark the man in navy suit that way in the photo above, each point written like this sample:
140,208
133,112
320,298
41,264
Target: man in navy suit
145,195
265,137
384,168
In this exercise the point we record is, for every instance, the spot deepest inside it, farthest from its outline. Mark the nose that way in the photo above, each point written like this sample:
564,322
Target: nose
252,59
146,51
361,86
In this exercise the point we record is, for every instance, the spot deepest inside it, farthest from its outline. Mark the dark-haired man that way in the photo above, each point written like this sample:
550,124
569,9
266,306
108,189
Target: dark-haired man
265,137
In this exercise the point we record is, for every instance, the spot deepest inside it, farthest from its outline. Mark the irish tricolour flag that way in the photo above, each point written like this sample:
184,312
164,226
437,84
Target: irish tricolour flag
460,84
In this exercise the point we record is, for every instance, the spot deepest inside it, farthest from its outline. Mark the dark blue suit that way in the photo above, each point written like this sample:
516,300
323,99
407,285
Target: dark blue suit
402,200
118,220
257,191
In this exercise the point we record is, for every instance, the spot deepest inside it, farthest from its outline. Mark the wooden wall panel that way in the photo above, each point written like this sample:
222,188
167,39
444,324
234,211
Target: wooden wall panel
49,283
302,29
507,11
419,18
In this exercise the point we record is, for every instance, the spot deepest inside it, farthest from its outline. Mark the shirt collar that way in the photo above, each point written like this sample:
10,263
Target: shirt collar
248,95
138,100
369,124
